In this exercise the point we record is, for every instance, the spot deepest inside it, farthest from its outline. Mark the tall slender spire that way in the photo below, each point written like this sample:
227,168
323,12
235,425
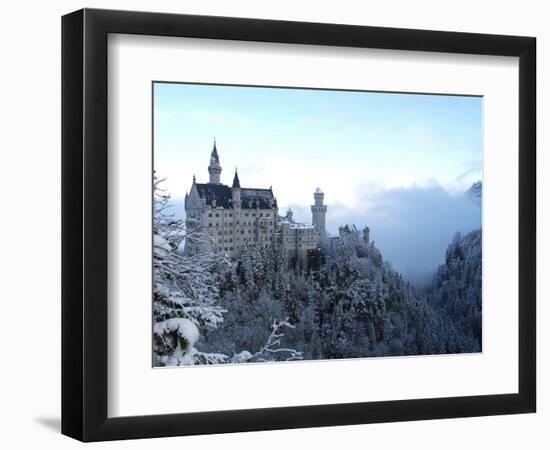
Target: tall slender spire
236,182
214,155
236,192
215,168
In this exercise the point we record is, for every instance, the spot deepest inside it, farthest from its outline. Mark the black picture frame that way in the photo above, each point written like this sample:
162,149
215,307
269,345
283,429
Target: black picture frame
84,224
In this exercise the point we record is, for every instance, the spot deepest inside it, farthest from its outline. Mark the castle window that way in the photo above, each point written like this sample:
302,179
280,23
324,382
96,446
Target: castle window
210,215
246,214
261,214
209,224
217,215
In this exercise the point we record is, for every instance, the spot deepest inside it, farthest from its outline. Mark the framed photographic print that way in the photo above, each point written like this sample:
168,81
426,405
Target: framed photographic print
273,224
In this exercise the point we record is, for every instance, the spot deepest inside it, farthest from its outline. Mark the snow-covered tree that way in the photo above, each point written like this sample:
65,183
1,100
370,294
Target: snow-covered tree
187,296
456,293
186,289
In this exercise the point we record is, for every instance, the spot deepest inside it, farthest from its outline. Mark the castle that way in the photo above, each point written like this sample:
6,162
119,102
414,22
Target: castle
232,219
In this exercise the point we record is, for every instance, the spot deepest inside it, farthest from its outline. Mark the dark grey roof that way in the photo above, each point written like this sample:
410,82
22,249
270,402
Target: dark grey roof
250,198
219,192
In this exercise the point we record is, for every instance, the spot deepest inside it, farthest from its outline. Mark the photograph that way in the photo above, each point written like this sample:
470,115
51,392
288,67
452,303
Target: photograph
295,224
267,225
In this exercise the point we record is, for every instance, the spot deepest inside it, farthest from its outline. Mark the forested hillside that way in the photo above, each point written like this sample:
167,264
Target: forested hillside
456,293
346,303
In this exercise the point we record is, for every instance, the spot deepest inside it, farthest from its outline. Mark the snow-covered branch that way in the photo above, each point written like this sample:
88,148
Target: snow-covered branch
271,346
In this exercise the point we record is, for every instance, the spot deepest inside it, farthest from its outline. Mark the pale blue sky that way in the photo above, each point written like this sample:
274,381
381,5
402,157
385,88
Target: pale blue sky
356,146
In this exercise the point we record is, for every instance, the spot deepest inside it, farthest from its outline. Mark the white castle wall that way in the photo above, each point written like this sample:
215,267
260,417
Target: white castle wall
232,230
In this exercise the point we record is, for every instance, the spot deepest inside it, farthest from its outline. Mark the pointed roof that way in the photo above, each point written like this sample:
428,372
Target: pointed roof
214,154
236,183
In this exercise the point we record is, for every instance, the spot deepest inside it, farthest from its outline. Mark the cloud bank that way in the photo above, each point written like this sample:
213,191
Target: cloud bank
412,227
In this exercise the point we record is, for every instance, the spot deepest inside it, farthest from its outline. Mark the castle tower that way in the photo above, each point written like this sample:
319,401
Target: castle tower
366,235
215,169
290,215
236,192
319,211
